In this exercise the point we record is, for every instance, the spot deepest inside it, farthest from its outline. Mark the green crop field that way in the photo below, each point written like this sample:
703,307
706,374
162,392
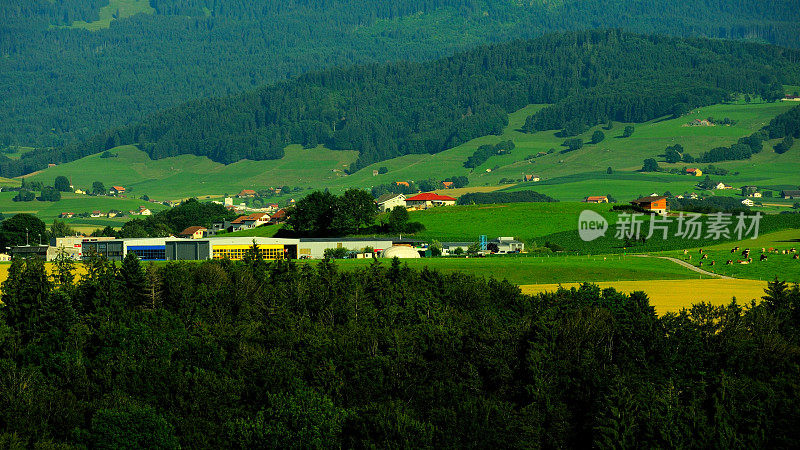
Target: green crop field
555,269
116,9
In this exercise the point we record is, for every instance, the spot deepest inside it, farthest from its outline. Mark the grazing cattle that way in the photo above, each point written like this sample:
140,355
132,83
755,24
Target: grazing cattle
763,250
690,257
685,251
745,252
744,262
793,250
733,250
729,262
701,250
713,263
763,257
701,263
705,256
796,256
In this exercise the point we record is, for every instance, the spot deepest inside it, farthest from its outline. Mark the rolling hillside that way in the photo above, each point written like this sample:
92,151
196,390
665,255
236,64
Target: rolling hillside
567,177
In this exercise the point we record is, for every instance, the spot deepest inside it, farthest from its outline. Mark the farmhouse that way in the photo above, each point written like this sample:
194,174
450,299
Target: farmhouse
790,194
791,98
246,193
116,190
429,199
654,203
596,199
280,216
97,214
66,215
387,202
402,183
756,195
447,184
315,248
722,186
194,232
449,248
695,172
144,211
505,244
533,178
747,202
111,214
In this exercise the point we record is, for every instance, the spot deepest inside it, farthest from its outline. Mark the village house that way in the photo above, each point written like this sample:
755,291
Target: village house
654,203
756,195
596,199
447,184
533,178
280,216
694,172
97,214
246,193
402,183
251,221
387,202
790,194
66,215
144,211
80,191
747,202
195,232
722,186
111,214
429,199
749,189
693,196
116,190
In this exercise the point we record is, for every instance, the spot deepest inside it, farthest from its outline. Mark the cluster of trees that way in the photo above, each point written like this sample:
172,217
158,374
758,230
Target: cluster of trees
708,205
486,151
412,187
237,45
675,153
385,111
48,193
324,214
572,144
275,355
480,198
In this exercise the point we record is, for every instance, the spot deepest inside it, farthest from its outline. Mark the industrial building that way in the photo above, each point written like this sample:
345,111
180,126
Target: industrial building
233,248
147,249
315,248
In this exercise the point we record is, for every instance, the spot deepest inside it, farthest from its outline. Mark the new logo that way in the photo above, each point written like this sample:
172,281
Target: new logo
591,225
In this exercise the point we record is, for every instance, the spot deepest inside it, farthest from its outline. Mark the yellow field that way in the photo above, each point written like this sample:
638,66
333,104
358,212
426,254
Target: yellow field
468,190
672,295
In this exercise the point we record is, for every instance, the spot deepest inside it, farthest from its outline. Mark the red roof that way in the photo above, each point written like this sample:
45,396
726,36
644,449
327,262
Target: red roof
430,197
247,192
118,188
596,197
447,184
691,170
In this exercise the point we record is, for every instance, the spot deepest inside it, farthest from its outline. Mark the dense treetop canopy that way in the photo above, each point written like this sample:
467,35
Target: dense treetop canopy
385,111
198,48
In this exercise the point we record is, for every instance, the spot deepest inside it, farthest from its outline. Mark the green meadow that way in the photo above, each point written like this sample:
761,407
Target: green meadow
116,9
567,177
542,270
75,203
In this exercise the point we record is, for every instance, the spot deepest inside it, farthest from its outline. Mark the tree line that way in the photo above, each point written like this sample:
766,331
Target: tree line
109,77
284,355
385,111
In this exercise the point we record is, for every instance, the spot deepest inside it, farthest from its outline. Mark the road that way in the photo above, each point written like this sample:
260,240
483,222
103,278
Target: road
688,266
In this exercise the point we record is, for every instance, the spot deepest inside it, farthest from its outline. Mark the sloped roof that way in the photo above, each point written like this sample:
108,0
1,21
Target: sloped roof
249,218
649,199
596,197
191,230
118,188
430,197
386,197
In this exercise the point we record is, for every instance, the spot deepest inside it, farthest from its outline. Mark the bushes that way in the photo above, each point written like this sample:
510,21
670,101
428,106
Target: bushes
479,198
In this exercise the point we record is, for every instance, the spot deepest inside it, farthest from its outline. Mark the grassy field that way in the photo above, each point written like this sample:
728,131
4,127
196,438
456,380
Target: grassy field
673,295
76,203
188,175
525,221
539,270
776,265
116,9
570,176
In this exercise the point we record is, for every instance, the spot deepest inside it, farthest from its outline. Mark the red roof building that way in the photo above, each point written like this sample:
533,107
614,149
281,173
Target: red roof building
429,199
194,232
596,199
246,193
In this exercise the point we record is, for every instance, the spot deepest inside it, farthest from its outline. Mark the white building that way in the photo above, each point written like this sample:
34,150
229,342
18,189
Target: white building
387,202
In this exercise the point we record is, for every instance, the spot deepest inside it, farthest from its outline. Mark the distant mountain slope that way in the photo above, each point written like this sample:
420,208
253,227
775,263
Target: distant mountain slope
385,111
62,83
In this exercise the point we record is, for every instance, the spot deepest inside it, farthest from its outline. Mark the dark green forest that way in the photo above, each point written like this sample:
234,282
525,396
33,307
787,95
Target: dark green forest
277,355
63,85
385,111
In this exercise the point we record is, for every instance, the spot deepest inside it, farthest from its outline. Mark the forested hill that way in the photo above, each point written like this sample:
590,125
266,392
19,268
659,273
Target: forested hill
385,111
62,83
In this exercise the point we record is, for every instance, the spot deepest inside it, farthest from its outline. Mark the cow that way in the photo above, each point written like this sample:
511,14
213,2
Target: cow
763,257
